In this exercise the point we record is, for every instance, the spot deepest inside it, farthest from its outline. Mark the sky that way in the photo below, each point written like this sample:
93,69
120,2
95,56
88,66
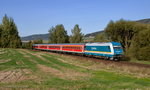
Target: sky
38,16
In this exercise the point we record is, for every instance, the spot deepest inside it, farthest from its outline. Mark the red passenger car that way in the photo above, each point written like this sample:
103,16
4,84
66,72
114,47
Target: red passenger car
76,48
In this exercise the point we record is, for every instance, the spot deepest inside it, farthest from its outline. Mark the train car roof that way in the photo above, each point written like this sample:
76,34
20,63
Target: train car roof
63,44
103,43
116,43
96,43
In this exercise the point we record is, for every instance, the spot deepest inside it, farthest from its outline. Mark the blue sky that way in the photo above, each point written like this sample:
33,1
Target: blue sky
37,16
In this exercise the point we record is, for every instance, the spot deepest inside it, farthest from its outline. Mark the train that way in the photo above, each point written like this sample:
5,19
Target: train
107,50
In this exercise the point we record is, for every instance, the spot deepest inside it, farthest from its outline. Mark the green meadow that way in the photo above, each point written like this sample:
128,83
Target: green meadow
26,69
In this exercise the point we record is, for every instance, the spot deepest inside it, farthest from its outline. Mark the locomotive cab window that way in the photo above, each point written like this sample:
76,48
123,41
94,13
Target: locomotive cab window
117,47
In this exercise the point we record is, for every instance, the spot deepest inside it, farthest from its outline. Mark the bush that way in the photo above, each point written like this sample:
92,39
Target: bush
144,53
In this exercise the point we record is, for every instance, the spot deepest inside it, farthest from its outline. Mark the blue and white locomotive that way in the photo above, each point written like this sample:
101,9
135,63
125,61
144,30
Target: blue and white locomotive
109,50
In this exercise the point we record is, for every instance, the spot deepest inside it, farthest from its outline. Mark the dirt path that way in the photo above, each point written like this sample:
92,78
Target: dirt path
4,61
15,75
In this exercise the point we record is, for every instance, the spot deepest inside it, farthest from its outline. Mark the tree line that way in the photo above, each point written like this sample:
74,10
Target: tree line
134,36
58,34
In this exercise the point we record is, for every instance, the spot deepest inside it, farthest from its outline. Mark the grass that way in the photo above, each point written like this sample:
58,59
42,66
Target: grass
140,61
40,70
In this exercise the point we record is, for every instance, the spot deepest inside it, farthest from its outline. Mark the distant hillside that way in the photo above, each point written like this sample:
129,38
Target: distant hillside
145,21
93,34
45,36
35,37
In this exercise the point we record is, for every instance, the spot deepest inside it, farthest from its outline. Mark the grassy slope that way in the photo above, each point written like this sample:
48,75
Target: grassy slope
54,71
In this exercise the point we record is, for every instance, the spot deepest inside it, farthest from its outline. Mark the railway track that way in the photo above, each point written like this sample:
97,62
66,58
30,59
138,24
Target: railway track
96,59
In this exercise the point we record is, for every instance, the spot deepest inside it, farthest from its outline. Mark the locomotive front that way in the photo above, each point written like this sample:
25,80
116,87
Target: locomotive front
117,50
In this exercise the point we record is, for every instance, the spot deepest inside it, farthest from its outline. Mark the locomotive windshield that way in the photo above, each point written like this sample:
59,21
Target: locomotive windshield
117,47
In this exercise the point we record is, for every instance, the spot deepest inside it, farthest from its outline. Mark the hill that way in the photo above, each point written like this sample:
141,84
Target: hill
93,34
35,37
45,36
145,21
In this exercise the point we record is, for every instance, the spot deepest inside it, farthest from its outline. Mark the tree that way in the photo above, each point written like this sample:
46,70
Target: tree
101,37
29,45
38,41
140,46
123,31
5,32
61,34
9,34
15,41
134,37
77,36
0,34
58,34
52,35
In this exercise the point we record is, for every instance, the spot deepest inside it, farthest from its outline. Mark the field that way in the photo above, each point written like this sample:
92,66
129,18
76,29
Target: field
26,69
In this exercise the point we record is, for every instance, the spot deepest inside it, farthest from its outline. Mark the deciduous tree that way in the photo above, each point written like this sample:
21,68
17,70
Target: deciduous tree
58,34
101,37
123,31
77,36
